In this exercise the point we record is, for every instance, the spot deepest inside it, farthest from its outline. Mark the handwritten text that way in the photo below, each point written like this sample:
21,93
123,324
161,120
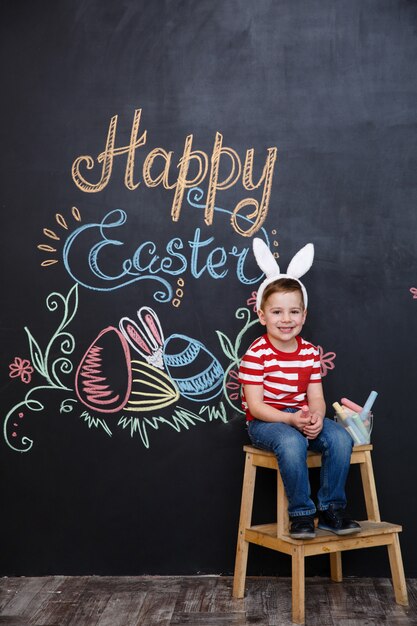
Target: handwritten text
205,166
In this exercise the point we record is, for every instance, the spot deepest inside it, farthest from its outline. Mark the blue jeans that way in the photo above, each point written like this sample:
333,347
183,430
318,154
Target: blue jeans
290,447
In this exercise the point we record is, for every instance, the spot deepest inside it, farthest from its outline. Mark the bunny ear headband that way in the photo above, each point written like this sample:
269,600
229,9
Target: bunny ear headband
299,265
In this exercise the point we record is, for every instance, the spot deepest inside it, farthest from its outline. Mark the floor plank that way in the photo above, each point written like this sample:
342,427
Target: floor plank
31,594
123,609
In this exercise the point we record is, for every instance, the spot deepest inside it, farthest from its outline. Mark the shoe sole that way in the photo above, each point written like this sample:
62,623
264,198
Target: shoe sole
346,531
303,535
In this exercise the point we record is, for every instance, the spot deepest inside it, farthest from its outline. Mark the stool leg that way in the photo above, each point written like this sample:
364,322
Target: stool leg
336,573
298,585
397,571
369,489
283,522
244,522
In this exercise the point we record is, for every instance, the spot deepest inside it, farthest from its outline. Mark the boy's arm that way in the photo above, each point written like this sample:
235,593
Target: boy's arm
317,408
254,396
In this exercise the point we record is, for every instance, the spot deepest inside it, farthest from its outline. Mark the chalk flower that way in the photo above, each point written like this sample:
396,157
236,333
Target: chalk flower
252,300
326,361
21,368
233,385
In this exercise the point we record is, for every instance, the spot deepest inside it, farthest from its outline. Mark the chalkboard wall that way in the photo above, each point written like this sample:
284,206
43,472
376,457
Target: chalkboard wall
143,145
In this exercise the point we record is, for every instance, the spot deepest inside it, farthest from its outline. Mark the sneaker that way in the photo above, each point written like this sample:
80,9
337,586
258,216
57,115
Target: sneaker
337,522
302,527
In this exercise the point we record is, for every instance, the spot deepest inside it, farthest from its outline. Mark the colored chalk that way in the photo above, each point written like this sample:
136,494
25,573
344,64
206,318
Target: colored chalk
360,427
339,410
348,423
352,434
368,405
351,405
359,437
356,408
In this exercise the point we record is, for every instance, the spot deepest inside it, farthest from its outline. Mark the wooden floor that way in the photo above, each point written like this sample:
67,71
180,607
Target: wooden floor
197,601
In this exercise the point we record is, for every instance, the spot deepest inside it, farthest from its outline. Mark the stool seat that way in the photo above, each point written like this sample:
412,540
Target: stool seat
276,535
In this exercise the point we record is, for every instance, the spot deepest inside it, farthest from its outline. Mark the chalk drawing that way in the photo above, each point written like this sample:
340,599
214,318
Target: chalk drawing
146,338
61,221
183,355
50,367
326,361
181,419
21,368
152,389
104,366
95,422
234,352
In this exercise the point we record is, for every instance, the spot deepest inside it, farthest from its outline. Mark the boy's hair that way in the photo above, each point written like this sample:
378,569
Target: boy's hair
282,285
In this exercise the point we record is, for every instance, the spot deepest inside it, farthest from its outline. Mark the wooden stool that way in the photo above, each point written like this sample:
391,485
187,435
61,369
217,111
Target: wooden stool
276,536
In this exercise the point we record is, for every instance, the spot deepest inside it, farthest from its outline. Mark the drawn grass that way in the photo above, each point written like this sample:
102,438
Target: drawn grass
182,419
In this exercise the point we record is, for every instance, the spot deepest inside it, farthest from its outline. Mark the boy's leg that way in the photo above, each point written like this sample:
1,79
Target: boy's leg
290,448
335,445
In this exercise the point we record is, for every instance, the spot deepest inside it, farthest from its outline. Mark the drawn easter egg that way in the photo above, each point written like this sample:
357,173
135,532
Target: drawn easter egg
103,379
194,369
152,389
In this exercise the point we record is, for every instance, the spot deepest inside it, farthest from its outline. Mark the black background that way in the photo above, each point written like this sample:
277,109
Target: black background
332,85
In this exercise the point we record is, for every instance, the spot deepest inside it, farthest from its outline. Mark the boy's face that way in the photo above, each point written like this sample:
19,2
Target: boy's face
284,316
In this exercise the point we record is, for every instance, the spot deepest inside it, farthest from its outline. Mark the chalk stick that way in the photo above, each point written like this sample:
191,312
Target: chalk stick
368,405
360,427
339,410
348,423
351,405
353,434
359,437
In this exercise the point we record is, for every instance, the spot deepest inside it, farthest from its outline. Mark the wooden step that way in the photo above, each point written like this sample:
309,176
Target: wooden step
371,534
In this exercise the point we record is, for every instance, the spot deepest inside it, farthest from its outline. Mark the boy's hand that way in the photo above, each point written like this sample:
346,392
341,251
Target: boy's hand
300,420
315,426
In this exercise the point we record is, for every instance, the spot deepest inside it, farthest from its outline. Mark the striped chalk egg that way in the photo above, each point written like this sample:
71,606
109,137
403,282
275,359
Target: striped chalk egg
103,379
197,373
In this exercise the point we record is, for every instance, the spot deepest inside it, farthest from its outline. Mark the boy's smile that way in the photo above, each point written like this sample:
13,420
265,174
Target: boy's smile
284,316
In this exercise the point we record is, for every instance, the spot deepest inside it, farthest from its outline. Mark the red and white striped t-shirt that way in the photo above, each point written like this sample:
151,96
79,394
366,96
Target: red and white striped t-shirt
285,376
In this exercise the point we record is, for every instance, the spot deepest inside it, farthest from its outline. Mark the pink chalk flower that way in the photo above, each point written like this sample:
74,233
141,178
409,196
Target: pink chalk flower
233,385
252,300
326,361
413,291
21,368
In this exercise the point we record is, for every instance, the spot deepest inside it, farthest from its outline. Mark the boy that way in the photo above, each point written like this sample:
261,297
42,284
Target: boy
284,403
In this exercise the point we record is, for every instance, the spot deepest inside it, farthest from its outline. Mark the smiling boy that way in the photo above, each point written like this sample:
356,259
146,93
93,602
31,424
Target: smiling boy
280,374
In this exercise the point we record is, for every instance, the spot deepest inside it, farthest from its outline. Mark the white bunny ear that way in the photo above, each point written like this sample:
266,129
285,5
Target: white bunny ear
264,258
301,262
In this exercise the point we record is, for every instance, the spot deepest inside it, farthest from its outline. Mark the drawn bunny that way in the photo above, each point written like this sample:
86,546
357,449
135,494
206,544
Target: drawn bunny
146,339
299,265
